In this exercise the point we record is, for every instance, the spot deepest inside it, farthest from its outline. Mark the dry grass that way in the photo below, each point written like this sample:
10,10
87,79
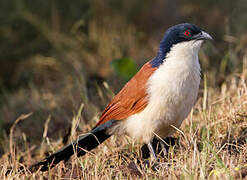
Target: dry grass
212,144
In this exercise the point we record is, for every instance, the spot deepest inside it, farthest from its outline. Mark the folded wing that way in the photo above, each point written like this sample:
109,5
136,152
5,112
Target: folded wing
132,99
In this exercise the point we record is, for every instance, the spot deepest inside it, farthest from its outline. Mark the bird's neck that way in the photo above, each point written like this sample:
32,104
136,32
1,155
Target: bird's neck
164,49
182,61
168,49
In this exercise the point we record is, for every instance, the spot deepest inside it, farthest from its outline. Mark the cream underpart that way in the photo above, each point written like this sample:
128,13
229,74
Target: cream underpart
172,90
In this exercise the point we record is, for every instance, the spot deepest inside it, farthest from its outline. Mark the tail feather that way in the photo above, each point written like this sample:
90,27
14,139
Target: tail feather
83,144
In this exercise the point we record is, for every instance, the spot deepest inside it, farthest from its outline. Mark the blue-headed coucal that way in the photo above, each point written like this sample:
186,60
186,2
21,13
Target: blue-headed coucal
159,97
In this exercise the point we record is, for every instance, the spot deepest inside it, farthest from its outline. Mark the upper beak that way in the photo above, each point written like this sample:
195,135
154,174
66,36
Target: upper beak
203,36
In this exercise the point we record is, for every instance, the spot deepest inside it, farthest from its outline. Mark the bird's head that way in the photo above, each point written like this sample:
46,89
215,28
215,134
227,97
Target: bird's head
187,34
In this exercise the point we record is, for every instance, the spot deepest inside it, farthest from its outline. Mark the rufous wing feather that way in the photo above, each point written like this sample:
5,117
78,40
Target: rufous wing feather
131,99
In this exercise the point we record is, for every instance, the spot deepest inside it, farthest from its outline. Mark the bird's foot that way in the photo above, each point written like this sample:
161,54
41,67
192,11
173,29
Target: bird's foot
160,146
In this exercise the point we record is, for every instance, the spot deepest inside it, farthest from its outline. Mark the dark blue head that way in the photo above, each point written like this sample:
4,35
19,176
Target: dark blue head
176,34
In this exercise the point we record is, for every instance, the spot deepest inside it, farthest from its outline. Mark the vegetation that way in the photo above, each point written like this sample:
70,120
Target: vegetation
62,61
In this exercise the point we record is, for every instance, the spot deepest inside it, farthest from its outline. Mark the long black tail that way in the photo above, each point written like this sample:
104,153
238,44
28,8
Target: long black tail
83,144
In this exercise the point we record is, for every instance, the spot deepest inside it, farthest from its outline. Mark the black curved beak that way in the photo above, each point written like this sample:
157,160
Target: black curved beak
203,36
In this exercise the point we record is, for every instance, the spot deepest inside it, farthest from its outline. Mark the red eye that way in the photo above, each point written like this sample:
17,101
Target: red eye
187,33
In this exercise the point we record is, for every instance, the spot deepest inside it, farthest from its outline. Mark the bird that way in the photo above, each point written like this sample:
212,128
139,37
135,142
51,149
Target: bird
154,102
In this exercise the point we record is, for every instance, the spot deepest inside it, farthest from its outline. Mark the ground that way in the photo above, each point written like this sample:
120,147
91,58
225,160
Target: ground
210,144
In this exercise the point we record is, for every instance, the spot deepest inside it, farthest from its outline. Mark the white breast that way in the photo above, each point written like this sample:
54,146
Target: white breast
173,90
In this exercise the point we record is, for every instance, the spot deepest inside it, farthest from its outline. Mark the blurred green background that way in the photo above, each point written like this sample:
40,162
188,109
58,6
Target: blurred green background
57,55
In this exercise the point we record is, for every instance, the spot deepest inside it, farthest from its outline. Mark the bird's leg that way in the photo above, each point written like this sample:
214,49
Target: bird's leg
164,149
151,149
